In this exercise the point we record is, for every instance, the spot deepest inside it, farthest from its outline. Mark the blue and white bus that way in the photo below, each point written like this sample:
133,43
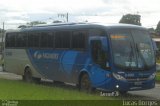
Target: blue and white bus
92,55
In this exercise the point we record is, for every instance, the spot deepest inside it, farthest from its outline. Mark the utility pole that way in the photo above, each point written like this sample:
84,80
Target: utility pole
67,17
3,26
2,42
64,16
3,32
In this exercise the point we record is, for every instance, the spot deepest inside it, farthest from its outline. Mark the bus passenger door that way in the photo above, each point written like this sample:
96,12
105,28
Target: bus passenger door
100,62
98,55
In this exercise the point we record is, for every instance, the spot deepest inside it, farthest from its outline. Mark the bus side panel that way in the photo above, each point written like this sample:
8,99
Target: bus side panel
46,62
82,61
68,64
16,60
59,65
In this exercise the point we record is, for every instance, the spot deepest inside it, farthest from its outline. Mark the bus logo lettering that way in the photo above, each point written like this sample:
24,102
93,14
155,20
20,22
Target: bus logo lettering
39,55
50,56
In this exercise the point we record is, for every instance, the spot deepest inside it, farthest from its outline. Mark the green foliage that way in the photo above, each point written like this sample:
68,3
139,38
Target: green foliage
131,19
22,26
31,24
158,76
158,28
57,21
35,23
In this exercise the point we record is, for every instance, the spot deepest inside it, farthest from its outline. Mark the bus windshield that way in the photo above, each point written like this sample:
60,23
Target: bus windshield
132,49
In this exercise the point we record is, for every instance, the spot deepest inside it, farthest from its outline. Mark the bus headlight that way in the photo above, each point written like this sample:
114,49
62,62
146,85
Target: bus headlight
152,76
118,77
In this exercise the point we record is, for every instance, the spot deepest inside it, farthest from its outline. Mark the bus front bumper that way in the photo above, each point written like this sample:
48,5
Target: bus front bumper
117,85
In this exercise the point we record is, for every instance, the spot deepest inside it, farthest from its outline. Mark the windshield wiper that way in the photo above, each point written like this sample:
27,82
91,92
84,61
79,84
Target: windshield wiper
141,56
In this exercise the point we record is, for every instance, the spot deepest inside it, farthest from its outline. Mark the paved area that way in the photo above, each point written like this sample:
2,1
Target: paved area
11,76
158,66
151,93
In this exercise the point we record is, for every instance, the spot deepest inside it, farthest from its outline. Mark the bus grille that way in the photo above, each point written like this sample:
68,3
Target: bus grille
137,79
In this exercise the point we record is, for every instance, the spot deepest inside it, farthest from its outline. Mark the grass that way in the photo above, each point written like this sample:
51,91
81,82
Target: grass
1,61
19,90
158,76
158,71
157,60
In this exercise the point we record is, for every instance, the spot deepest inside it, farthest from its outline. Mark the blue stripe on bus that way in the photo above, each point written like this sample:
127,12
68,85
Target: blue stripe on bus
48,62
68,61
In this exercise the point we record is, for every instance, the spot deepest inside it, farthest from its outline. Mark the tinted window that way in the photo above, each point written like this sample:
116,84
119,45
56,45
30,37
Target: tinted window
96,32
47,39
44,40
79,39
21,40
33,39
51,40
10,40
62,39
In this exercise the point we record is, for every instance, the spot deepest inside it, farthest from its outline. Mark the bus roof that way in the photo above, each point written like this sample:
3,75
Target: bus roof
75,26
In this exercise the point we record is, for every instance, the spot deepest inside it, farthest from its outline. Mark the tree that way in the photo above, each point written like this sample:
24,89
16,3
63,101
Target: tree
158,28
131,19
31,24
57,21
22,26
35,23
1,32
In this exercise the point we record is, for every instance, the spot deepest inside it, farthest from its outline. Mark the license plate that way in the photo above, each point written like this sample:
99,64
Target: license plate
137,83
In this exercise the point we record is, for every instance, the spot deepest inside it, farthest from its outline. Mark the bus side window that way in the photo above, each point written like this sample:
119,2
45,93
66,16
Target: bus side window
99,56
62,39
33,39
21,40
10,40
79,40
44,40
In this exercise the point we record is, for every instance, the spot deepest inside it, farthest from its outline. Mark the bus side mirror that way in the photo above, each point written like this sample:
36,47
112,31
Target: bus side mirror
104,43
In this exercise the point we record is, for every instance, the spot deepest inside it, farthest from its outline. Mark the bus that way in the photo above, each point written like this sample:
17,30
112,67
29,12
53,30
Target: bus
111,57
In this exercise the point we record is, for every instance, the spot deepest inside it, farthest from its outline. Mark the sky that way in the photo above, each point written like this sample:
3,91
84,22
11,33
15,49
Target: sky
19,12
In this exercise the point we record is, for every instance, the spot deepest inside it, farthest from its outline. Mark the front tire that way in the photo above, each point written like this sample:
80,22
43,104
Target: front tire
85,84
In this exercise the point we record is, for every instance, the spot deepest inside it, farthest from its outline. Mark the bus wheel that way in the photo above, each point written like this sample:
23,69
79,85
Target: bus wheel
85,84
27,77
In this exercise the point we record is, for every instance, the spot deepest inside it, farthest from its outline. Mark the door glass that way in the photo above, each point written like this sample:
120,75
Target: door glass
98,55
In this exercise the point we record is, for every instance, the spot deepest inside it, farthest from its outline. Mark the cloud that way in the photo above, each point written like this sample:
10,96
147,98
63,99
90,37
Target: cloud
20,11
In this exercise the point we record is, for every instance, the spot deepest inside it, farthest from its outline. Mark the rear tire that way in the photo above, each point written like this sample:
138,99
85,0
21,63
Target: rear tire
85,84
27,77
